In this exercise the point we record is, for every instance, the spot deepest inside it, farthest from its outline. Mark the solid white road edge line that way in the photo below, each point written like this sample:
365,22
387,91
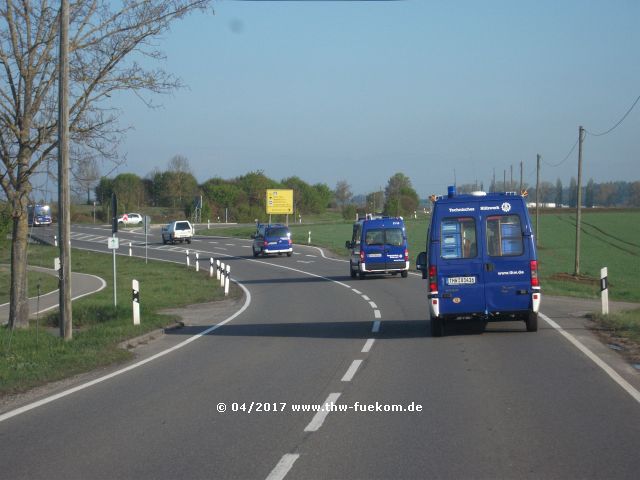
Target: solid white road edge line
353,368
318,419
594,358
53,398
284,465
368,345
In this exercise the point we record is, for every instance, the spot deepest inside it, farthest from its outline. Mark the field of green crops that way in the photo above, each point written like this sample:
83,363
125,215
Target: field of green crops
609,239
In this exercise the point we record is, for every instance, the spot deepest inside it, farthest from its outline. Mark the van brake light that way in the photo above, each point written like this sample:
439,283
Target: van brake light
433,281
361,256
406,254
534,274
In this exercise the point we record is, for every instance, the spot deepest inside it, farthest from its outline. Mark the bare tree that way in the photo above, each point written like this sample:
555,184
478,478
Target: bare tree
343,192
105,38
182,181
86,174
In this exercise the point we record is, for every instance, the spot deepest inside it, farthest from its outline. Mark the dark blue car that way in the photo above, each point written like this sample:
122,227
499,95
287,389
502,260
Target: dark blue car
481,260
272,240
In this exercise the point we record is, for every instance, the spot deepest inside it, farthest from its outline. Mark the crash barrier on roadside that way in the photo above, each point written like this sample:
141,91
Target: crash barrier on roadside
223,272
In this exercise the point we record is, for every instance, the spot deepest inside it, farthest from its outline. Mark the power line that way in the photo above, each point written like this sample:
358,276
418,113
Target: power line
565,158
617,124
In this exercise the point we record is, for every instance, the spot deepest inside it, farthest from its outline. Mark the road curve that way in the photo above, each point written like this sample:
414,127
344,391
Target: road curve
503,403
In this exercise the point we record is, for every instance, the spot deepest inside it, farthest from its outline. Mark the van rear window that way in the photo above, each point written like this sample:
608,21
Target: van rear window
382,236
458,238
504,236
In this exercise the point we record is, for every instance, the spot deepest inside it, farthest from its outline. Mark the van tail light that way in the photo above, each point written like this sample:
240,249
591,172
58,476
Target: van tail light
406,254
265,244
433,280
534,274
290,242
361,256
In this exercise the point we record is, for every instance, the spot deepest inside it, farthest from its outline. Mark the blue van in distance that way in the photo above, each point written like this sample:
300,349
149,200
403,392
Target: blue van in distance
378,245
481,260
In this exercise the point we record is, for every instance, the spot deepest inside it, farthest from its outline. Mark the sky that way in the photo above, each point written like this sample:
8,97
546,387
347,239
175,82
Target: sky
359,90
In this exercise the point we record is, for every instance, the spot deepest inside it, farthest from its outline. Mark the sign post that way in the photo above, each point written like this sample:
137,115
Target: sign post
113,242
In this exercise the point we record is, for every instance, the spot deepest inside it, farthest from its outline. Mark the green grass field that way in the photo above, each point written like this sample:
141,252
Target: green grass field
37,355
609,239
47,283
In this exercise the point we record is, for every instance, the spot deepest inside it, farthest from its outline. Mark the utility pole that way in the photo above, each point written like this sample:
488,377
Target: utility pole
521,185
64,201
504,180
579,197
511,178
493,185
537,202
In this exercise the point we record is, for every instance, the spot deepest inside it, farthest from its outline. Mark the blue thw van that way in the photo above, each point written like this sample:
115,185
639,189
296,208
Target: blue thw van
378,245
481,260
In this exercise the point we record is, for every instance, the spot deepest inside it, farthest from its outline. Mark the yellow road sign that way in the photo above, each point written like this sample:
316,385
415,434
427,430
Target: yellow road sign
279,202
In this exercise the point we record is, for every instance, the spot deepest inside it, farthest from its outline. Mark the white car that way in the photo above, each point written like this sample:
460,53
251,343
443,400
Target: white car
130,219
177,231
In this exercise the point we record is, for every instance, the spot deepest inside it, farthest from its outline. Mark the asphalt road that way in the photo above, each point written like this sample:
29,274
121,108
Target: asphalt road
500,404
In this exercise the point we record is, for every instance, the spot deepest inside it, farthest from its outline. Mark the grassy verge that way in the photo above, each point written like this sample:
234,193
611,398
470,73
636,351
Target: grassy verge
621,329
47,283
37,355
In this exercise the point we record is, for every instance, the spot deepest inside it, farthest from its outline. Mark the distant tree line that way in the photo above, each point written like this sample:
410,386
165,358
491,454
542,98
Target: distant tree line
605,194
243,198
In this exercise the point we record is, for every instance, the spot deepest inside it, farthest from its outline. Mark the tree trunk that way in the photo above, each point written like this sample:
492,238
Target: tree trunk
19,307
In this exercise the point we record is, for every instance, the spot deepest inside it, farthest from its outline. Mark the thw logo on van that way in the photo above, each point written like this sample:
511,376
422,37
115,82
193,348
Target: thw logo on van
506,207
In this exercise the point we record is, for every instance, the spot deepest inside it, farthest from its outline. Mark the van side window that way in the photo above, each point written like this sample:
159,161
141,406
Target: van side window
504,236
458,238
356,234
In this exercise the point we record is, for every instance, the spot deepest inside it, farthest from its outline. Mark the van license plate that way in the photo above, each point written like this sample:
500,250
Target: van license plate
461,280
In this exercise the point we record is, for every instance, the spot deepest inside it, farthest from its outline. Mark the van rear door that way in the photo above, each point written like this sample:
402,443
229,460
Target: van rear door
460,266
395,246
507,261
373,248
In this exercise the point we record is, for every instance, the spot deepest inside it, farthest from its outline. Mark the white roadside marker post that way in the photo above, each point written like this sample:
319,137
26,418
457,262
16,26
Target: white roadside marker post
226,280
604,290
129,248
135,286
309,240
222,274
197,262
188,263
210,267
218,270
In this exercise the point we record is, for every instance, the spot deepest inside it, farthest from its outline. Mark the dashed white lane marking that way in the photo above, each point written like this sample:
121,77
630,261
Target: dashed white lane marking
595,359
245,246
368,345
351,371
366,298
376,326
220,248
314,256
213,243
284,465
230,244
319,418
376,314
373,305
357,291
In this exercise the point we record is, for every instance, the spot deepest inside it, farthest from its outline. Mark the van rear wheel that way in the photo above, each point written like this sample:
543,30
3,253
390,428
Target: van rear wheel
437,326
361,275
531,321
404,274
